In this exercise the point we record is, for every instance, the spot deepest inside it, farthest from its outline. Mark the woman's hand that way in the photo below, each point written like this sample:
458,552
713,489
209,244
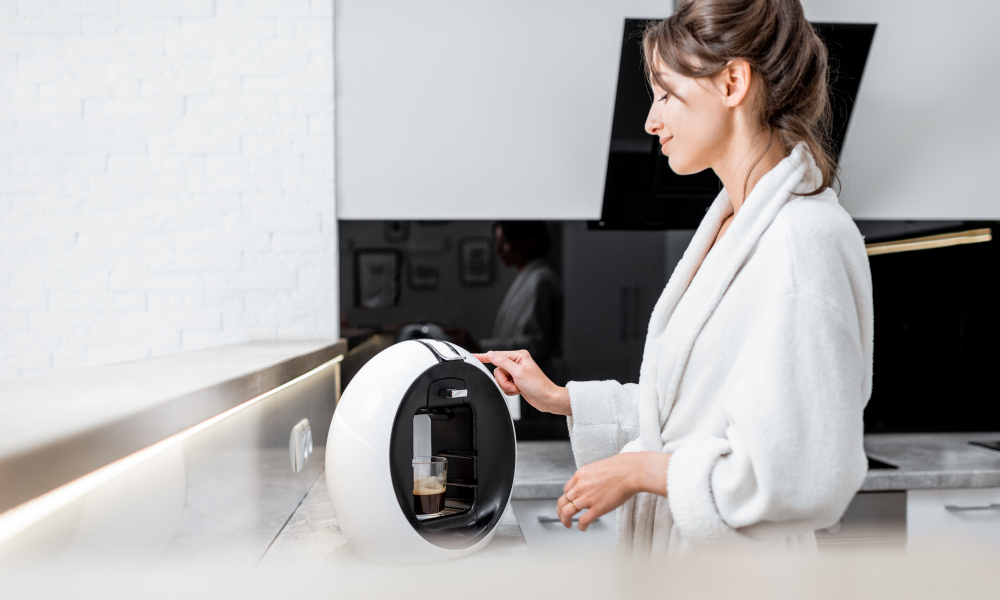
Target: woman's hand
517,373
603,486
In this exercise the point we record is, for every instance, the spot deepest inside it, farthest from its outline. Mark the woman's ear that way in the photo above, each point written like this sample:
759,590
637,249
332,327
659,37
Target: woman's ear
735,82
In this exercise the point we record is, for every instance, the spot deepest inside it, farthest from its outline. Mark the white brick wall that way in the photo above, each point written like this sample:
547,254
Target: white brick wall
166,177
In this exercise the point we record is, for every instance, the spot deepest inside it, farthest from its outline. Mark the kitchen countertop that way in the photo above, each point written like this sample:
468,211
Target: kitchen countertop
311,537
60,426
931,461
925,461
543,468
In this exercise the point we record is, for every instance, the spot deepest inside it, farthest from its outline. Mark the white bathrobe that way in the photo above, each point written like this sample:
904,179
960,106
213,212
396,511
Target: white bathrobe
531,318
756,371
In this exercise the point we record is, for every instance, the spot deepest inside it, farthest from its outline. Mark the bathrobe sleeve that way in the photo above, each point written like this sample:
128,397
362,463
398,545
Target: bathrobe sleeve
793,454
605,418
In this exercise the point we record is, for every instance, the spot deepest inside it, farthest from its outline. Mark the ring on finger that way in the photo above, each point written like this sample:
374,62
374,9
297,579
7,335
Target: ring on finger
571,503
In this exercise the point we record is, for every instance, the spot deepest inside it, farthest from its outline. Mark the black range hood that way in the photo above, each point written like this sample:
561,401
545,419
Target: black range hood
640,189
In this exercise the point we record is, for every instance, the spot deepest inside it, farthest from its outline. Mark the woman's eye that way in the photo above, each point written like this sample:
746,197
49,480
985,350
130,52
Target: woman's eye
664,97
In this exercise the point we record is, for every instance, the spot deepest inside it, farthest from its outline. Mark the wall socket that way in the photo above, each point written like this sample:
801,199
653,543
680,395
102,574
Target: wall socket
300,445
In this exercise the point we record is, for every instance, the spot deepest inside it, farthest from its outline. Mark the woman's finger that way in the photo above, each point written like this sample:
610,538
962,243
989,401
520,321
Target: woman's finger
560,507
505,382
482,358
566,513
512,355
510,390
589,516
569,484
505,363
586,519
505,375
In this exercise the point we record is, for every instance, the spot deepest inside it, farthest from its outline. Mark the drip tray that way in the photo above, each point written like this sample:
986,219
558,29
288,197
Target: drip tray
447,512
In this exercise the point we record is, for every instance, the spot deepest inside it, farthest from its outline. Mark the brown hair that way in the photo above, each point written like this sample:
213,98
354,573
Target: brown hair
786,57
534,235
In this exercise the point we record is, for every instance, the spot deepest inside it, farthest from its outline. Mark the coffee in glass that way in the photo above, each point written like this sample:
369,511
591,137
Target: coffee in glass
430,480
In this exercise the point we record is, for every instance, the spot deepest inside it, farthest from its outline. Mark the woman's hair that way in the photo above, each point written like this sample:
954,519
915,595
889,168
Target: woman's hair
786,57
523,233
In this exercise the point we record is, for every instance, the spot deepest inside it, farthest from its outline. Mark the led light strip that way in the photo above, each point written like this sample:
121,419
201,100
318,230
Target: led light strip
23,516
944,240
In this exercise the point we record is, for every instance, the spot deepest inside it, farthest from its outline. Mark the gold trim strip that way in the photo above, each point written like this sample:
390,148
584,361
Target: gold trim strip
944,240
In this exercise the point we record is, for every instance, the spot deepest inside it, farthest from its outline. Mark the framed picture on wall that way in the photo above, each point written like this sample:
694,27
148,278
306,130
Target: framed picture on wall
475,261
422,276
376,278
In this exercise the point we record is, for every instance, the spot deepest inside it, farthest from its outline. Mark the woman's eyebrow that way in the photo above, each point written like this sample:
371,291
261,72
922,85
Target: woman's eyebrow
661,82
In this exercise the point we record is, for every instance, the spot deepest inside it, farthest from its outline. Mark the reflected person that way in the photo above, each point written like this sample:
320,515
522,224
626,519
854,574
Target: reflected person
531,314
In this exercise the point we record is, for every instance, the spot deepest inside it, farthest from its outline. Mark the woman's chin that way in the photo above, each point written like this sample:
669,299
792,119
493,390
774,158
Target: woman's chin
680,166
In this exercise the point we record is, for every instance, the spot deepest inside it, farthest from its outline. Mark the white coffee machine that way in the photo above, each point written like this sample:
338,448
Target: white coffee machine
416,399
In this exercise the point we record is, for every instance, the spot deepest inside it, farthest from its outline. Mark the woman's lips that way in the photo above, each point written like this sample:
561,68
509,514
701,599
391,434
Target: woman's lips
665,140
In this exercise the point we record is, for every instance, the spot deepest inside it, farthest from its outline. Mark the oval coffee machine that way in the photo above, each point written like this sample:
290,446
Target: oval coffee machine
413,404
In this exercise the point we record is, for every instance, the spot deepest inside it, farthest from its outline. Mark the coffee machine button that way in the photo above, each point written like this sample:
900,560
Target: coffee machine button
454,393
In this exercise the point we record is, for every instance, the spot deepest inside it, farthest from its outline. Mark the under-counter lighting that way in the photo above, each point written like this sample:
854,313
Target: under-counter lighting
944,240
23,516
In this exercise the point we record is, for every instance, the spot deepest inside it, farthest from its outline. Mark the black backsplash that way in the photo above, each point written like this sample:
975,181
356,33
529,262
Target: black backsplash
937,313
937,337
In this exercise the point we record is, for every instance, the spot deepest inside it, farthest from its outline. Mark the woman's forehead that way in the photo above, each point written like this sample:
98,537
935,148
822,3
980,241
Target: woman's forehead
661,69
663,75
660,72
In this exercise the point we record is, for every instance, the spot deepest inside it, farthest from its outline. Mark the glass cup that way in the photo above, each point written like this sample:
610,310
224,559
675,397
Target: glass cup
430,479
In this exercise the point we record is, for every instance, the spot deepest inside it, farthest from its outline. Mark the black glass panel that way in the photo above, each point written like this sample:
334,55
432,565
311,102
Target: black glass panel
936,339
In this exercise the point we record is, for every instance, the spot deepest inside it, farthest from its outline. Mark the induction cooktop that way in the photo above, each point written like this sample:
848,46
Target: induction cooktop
988,445
874,463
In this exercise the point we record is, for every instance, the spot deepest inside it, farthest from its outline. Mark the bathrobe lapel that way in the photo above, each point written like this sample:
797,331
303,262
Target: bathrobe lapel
793,174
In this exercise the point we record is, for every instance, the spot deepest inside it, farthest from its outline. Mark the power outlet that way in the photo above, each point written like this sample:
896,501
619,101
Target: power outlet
300,445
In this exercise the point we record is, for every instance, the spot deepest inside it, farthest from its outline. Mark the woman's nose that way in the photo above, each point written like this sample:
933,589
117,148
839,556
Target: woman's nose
653,124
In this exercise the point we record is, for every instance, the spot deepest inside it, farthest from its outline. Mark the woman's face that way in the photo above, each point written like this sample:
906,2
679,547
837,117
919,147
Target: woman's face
511,254
691,120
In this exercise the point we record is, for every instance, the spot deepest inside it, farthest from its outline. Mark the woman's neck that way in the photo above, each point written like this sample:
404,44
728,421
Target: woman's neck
523,265
740,169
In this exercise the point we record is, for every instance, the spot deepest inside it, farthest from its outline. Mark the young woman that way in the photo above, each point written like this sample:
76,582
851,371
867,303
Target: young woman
745,429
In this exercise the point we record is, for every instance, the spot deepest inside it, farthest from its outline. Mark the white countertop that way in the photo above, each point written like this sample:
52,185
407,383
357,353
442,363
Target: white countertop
58,427
36,410
312,538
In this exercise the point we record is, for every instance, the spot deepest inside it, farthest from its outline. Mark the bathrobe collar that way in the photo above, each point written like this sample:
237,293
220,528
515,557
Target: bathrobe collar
797,173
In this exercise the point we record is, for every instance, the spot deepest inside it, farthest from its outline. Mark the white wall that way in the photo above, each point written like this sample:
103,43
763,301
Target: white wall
450,109
482,110
166,177
922,142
